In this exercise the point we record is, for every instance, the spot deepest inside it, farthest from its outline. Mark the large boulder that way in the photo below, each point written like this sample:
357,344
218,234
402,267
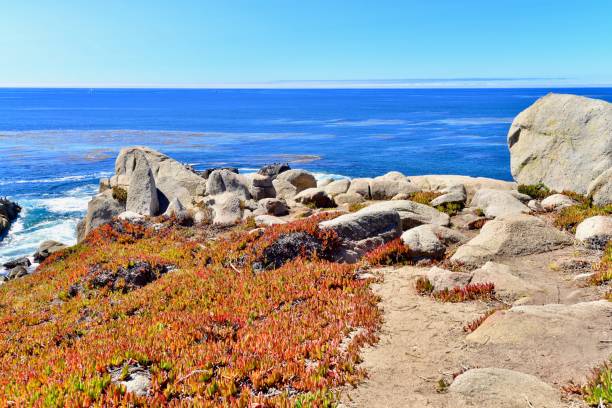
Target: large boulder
512,236
501,388
498,203
337,187
172,178
349,198
600,189
360,186
386,187
274,169
226,208
412,214
300,179
316,197
222,181
284,189
430,241
563,141
101,209
455,194
595,232
142,192
273,206
364,230
8,212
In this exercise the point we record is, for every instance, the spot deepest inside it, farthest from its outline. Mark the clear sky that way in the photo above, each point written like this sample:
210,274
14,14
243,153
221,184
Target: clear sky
304,42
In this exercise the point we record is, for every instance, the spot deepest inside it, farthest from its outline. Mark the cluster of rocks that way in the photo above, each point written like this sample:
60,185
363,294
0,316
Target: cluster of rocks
8,212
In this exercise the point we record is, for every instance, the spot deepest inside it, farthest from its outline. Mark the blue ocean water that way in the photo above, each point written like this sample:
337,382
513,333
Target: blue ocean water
56,143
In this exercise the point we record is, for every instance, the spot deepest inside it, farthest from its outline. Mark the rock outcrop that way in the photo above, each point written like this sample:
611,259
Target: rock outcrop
512,236
142,192
501,388
100,210
563,141
46,249
8,212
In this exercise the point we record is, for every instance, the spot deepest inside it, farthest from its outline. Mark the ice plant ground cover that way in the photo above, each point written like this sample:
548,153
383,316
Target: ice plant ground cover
192,313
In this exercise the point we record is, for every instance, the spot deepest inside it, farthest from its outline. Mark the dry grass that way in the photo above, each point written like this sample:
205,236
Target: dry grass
424,197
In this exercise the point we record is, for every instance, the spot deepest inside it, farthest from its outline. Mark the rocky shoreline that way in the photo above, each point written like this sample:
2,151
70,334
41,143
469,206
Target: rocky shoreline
522,266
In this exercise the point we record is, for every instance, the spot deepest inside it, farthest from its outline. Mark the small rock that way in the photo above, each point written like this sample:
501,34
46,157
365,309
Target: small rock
442,279
316,197
595,232
268,220
556,202
46,249
131,216
23,261
274,206
17,272
501,388
360,186
274,169
455,194
348,198
498,203
337,187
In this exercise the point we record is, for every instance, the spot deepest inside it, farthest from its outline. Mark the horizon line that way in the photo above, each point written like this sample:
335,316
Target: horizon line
417,83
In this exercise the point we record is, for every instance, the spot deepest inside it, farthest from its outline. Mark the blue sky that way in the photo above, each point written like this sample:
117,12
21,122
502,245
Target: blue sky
305,43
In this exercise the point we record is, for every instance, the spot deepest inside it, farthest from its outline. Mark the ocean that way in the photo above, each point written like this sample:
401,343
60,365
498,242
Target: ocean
56,143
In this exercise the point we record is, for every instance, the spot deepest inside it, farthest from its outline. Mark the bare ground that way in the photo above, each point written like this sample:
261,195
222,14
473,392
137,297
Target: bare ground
422,341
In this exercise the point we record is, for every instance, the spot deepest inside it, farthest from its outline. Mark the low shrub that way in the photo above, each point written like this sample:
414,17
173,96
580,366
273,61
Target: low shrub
392,253
120,194
424,197
569,217
603,269
598,390
450,208
423,286
478,291
538,191
356,207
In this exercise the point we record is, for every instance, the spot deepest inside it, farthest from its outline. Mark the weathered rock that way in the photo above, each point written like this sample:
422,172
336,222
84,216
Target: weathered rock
507,284
142,192
349,198
46,249
324,182
385,188
533,331
137,381
454,194
600,189
290,246
274,206
8,212
364,230
501,388
556,202
225,181
171,177
412,214
268,220
259,180
101,209
17,272
23,261
360,186
512,236
284,189
337,187
498,203
131,216
595,232
300,179
471,184
206,173
423,242
274,169
226,208
174,208
563,141
314,196
534,205
442,279
393,175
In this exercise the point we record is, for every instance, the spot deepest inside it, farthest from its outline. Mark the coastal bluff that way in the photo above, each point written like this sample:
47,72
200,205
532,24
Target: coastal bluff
279,288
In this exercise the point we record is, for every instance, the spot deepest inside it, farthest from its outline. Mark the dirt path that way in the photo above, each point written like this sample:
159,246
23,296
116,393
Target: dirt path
422,341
